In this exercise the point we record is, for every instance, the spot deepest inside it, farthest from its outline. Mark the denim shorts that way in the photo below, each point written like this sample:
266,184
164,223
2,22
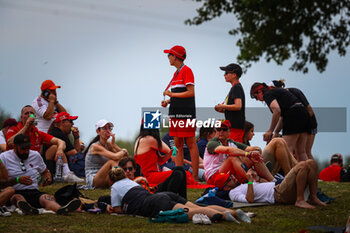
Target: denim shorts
89,176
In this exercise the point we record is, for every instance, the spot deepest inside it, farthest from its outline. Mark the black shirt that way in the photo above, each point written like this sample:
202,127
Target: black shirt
236,118
300,95
56,132
285,99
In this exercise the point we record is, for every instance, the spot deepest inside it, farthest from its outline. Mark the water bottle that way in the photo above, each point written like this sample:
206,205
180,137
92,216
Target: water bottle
212,192
59,170
174,151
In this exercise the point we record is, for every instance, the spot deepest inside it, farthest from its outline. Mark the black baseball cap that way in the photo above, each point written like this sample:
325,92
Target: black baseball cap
22,140
234,68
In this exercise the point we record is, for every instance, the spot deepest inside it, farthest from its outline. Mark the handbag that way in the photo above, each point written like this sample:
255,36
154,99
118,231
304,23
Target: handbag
172,216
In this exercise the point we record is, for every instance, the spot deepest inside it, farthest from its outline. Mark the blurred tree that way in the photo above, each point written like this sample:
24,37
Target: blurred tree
307,31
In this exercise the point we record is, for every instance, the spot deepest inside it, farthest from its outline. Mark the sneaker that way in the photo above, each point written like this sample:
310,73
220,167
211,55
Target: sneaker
4,212
71,177
26,208
205,219
196,219
242,216
70,207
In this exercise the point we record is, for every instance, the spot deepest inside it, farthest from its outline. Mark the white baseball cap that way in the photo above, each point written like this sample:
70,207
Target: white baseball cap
102,123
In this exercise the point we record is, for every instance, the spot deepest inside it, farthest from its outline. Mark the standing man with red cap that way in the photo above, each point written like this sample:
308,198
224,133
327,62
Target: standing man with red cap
182,107
234,104
46,105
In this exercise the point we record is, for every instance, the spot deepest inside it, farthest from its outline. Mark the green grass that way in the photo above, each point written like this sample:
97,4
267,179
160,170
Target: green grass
277,218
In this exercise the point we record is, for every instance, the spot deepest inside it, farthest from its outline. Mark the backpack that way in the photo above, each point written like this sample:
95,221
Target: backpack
67,193
172,216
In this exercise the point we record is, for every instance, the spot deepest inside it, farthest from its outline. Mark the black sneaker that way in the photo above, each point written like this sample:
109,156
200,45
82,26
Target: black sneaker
4,212
70,207
26,208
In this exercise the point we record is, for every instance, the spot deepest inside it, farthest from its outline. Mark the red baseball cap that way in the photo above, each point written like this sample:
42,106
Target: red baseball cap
225,123
49,84
178,51
64,116
221,179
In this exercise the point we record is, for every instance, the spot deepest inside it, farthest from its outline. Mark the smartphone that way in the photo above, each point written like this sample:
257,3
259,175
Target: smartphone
46,94
245,167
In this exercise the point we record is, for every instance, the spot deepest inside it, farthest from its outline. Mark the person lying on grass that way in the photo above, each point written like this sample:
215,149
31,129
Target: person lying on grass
128,197
290,191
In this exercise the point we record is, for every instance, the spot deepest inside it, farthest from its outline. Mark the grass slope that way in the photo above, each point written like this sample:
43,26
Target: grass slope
278,218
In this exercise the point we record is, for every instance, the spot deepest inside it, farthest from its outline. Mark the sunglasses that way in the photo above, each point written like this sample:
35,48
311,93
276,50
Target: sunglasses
128,169
110,128
71,121
22,166
223,129
169,55
229,72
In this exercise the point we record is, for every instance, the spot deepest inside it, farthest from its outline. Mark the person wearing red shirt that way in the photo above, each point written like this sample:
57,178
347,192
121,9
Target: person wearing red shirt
38,138
332,172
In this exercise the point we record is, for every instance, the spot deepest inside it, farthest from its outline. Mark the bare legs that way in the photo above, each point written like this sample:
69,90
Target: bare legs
101,179
192,146
5,195
309,144
307,174
278,149
297,143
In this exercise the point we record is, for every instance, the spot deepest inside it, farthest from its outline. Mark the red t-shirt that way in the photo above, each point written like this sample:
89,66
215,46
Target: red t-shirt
36,137
331,173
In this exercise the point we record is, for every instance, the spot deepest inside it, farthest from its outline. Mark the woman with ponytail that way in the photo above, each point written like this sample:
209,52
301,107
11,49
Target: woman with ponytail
287,112
101,155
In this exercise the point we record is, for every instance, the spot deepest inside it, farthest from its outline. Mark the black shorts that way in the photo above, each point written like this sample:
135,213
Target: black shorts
160,201
32,196
296,120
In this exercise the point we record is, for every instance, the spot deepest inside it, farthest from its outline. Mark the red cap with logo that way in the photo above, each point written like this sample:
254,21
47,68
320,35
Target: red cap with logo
225,123
177,51
64,116
221,179
49,84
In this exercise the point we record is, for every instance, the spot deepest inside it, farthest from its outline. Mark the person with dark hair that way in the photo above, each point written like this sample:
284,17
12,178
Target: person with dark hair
62,130
175,183
332,172
312,121
46,105
182,107
147,154
285,108
223,155
22,167
101,155
128,197
234,104
248,132
205,135
8,123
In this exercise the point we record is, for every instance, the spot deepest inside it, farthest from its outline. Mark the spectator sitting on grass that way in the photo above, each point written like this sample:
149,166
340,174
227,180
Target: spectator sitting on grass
125,192
290,191
22,166
101,155
6,125
335,171
73,154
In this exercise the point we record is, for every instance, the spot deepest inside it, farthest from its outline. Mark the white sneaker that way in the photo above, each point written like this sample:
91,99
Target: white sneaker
196,219
71,177
4,212
205,219
242,216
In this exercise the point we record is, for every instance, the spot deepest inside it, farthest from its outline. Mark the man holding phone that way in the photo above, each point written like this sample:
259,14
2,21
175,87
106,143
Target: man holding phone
47,106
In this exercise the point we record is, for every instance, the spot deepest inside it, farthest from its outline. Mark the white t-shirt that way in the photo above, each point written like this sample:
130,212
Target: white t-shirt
119,189
263,192
40,106
2,138
33,164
